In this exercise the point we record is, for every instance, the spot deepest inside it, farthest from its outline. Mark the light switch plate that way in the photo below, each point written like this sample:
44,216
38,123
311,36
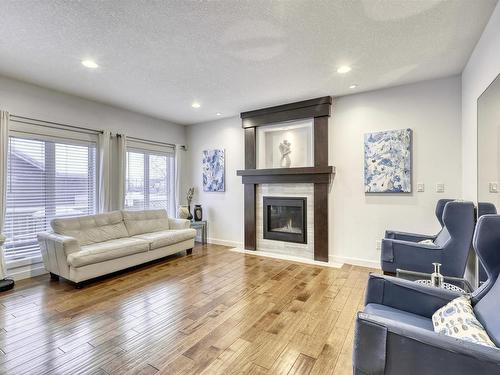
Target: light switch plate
440,188
493,187
420,187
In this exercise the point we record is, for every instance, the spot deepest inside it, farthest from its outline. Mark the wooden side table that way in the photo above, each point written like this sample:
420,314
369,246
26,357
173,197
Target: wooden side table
201,225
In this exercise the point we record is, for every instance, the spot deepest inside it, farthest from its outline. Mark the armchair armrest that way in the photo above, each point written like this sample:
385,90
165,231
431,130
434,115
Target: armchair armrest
384,346
179,223
405,236
407,295
55,249
410,255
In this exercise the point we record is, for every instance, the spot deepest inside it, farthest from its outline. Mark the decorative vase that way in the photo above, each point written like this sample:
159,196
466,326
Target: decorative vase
183,212
190,217
198,212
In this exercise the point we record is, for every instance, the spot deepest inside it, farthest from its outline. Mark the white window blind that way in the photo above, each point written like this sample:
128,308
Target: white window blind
46,179
149,179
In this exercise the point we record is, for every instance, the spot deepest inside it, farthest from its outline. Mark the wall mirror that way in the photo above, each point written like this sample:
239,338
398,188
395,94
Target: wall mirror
488,153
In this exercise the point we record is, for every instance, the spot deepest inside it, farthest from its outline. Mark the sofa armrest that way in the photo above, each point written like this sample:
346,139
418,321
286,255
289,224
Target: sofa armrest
55,249
407,295
405,236
385,346
179,223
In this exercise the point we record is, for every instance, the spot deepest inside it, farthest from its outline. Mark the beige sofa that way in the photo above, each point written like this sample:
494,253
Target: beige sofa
85,247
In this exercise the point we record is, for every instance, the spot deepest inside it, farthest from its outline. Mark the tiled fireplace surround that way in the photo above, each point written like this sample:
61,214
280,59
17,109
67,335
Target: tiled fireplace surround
280,247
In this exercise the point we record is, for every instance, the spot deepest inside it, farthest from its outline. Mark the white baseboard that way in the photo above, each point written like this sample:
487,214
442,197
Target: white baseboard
355,261
287,257
217,241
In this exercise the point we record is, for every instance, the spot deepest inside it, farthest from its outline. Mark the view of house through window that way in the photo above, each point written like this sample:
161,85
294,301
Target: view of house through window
147,180
45,180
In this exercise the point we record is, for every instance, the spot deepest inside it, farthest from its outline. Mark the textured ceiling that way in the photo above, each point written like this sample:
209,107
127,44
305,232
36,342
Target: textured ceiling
157,57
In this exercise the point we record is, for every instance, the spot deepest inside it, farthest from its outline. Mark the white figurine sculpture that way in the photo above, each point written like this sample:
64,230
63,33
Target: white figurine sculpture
285,150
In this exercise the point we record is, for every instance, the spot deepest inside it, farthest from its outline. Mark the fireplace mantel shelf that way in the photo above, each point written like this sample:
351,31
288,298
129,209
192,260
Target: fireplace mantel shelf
321,175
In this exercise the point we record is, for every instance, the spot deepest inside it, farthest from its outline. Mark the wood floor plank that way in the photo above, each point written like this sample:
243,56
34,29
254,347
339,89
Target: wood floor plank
214,312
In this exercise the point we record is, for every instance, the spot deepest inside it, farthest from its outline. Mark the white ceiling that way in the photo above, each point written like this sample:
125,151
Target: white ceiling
157,57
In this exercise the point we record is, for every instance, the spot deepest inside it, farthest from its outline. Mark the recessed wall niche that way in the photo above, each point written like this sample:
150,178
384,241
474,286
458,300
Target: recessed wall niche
286,145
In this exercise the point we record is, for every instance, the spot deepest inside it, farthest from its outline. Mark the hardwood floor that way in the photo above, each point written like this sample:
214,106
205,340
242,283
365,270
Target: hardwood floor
214,312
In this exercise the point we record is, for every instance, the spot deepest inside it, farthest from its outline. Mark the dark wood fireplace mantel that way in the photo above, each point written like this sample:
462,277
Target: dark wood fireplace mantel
320,174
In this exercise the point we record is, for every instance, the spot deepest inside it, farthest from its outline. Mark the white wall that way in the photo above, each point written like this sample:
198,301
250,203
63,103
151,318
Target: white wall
432,110
357,220
24,99
224,211
481,69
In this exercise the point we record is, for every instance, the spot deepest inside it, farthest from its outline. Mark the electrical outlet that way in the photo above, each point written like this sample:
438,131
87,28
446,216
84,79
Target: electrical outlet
420,187
378,245
493,187
440,188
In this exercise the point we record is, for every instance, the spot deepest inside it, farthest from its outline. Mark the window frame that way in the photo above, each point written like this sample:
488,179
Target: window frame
148,150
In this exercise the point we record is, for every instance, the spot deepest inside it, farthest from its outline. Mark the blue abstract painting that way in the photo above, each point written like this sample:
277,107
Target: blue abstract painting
213,170
388,161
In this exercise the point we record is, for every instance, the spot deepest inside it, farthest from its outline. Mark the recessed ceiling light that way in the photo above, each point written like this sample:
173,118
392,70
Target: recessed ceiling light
218,114
353,86
344,69
196,105
90,64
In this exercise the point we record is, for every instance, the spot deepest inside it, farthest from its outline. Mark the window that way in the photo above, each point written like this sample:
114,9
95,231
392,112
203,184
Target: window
148,180
45,179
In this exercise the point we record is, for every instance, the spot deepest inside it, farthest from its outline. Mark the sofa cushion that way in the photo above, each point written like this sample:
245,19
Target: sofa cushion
93,228
166,237
100,252
399,316
139,222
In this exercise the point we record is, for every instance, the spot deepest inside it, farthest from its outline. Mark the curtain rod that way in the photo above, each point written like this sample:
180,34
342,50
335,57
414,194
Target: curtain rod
55,125
148,141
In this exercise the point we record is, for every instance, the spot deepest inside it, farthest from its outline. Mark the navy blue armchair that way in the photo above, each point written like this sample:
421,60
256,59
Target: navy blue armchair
484,208
450,246
394,333
415,237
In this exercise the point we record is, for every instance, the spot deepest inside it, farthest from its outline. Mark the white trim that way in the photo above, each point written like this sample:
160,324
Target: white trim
217,241
287,257
355,261
149,148
27,271
22,262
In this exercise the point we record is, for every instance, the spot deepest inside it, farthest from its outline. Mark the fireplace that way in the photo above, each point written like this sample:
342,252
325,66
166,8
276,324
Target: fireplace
285,219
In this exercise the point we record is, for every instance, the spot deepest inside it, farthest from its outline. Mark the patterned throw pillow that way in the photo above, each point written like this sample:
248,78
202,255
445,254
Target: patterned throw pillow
457,319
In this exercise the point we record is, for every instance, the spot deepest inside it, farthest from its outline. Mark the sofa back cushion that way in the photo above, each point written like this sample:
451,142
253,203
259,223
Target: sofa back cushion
93,228
148,221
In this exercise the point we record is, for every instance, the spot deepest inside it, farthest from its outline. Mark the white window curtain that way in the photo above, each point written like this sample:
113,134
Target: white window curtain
121,147
105,171
180,155
4,146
